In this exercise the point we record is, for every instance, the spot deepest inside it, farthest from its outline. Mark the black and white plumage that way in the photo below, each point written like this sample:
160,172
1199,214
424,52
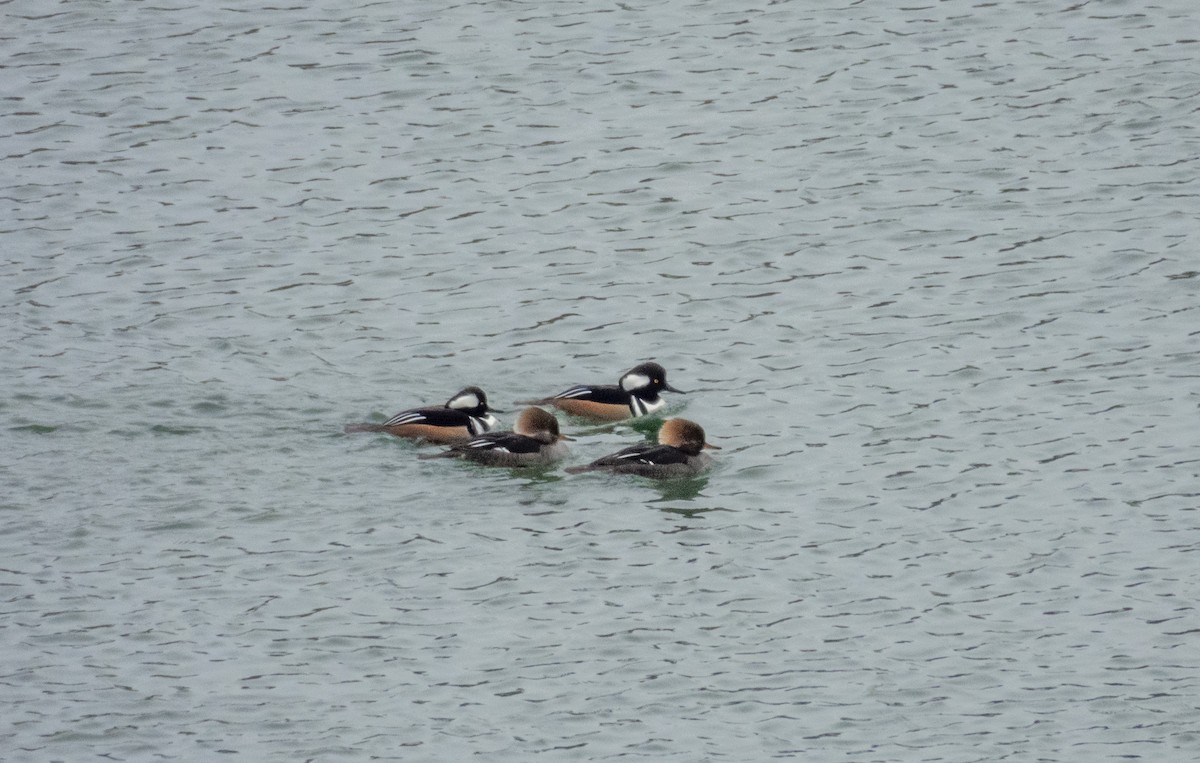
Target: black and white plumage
465,415
635,394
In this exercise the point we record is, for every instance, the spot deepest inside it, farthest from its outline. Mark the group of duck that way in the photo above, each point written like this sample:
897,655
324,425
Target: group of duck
465,423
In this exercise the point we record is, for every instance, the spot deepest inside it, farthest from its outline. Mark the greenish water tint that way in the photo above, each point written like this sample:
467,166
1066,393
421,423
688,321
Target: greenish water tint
35,428
927,274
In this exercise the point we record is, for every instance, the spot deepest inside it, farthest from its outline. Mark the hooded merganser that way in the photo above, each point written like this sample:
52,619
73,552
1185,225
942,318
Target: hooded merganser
464,416
635,394
534,441
678,454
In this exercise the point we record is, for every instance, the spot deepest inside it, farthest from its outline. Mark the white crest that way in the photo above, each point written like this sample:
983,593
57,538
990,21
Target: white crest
464,402
631,382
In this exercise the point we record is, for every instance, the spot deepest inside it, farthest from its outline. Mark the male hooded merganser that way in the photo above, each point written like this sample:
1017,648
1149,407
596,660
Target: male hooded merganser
678,454
464,416
636,394
534,441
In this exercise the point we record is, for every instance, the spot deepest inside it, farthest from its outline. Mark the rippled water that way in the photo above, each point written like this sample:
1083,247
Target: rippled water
928,273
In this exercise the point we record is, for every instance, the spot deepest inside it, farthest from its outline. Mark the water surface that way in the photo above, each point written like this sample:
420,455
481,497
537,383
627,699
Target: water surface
928,274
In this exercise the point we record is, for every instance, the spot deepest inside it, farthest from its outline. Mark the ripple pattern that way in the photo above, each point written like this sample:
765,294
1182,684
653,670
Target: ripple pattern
927,272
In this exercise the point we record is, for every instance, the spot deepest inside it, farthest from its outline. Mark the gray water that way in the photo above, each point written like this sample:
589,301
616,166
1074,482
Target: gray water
928,273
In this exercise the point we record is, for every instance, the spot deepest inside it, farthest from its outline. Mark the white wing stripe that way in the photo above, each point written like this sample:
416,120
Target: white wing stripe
573,392
409,417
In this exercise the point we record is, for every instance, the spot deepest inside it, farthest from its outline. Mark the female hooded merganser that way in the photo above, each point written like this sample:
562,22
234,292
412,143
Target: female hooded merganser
464,416
636,394
678,454
534,441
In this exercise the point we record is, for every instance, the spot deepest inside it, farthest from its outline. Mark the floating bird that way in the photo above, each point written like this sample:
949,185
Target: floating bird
534,441
677,454
464,416
635,394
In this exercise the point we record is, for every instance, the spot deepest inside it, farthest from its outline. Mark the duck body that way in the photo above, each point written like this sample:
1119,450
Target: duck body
464,416
649,460
534,441
679,453
635,394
